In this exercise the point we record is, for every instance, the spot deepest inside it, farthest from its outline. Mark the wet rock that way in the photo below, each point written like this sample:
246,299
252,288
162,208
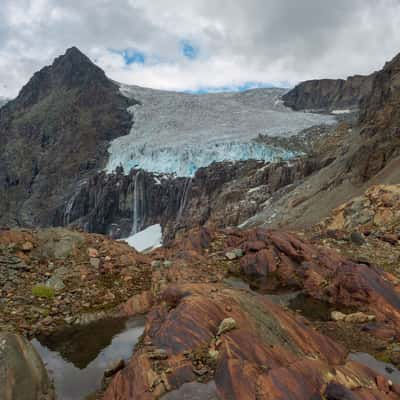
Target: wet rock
114,367
226,325
194,391
22,373
335,391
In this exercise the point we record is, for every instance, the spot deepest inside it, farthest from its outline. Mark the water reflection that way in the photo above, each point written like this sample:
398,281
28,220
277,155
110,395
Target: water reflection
76,358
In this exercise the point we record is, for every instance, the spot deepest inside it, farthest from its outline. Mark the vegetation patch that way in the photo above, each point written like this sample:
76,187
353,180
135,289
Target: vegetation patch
43,291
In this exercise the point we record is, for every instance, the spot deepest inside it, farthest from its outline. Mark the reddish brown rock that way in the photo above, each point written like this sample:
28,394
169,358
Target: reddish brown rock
271,354
322,273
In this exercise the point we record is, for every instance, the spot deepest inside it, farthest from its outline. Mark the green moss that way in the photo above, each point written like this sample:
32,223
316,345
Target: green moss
43,291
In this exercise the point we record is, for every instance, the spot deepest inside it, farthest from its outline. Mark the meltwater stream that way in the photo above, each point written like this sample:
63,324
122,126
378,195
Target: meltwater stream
77,357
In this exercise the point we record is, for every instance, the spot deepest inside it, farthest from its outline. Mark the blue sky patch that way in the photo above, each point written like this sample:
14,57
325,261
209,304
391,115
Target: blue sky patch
189,50
131,56
238,88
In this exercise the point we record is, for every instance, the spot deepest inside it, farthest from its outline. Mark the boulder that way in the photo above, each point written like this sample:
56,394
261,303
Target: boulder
226,325
22,373
55,283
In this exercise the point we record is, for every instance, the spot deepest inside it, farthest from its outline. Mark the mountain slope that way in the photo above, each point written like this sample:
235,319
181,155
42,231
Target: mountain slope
369,154
55,133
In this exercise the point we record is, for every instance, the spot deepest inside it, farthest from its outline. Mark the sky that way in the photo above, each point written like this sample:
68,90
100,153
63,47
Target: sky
200,45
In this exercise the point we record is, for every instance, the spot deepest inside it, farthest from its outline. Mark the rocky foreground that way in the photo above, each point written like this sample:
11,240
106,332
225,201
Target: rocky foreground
286,335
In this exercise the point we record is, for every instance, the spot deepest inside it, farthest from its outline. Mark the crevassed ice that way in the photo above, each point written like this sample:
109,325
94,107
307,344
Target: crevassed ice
179,132
185,160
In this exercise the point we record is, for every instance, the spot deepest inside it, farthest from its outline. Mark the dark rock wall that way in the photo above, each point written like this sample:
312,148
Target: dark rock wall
222,194
329,94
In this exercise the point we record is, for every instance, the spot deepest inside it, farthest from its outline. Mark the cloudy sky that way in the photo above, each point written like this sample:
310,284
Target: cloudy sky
200,45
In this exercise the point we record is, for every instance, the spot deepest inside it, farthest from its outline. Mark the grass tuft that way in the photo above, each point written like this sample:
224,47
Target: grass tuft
43,291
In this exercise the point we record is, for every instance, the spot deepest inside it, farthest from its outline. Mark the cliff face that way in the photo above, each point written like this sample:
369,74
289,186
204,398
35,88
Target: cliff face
329,94
55,133
223,194
379,123
379,111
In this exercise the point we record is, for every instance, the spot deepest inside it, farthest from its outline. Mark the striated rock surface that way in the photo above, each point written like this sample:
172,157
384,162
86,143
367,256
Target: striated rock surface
54,134
271,354
329,94
285,260
22,373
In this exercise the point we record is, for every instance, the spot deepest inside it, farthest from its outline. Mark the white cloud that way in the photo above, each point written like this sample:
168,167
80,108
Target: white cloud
238,41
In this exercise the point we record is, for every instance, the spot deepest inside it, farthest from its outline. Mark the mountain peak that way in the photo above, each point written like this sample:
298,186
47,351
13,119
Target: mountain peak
73,54
70,70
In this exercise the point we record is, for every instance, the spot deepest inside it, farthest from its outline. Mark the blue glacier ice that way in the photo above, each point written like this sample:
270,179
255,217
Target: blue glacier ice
181,132
185,160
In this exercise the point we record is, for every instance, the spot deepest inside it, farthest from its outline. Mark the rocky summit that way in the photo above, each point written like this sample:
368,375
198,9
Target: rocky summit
54,134
278,273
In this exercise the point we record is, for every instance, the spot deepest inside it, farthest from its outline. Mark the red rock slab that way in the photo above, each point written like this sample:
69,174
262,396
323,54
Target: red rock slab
321,272
271,354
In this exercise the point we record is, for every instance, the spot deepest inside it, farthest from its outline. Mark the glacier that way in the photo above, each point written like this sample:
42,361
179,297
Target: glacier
180,132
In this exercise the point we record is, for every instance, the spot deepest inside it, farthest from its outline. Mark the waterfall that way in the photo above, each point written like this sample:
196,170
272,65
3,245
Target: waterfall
138,203
68,209
186,190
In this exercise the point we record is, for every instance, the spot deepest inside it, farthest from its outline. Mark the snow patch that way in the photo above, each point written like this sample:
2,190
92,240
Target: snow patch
147,239
340,112
254,189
